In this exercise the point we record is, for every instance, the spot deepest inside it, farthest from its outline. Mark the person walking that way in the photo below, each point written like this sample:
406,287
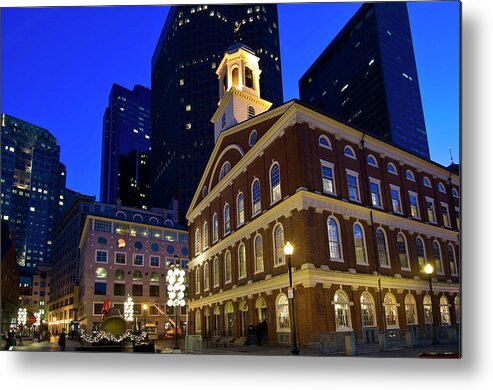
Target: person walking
251,336
61,340
258,333
10,340
264,331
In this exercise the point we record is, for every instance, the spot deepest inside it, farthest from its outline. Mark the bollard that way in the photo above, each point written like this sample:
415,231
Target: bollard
350,344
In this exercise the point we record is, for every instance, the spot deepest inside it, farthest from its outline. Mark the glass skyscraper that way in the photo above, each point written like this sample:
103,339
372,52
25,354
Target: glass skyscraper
126,144
185,88
367,77
33,183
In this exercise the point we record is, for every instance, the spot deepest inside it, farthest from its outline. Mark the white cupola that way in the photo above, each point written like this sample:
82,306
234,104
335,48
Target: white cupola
239,89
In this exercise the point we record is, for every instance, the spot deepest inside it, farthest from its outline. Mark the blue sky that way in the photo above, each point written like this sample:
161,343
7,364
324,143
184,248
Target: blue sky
59,63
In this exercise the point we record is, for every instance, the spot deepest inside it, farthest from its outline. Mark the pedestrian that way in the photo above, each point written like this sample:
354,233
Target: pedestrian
258,333
61,340
264,331
10,340
251,336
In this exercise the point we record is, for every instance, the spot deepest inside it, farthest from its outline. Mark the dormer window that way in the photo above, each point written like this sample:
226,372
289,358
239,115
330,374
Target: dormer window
349,152
248,77
224,170
324,142
409,175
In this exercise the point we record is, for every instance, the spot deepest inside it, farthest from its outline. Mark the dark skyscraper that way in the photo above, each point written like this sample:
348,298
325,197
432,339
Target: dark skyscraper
367,77
33,183
185,89
126,144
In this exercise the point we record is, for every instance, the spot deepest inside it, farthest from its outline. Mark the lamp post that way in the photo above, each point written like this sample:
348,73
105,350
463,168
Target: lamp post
288,251
428,271
145,317
128,309
176,293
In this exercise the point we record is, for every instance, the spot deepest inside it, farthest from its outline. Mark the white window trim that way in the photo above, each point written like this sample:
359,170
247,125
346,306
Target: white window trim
254,214
121,253
204,230
374,158
133,259
455,192
377,182
435,222
429,181
386,248
455,259
215,239
96,256
327,139
424,252
407,253
441,185
364,244
197,244
274,245
246,265
341,258
225,268
443,204
224,220
159,261
395,172
413,177
258,271
398,189
272,202
331,166
197,281
206,270
441,257
215,264
352,149
238,224
353,173
412,193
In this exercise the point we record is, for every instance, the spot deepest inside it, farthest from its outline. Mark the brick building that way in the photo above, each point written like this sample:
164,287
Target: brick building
363,216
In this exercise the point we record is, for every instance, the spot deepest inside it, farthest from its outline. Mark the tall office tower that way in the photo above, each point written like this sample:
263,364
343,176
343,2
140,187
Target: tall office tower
185,88
367,77
33,180
125,147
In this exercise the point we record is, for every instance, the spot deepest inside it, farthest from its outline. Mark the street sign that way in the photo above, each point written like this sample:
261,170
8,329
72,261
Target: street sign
290,292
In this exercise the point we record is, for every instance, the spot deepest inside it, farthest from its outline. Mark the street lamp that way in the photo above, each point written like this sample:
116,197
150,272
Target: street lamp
428,271
145,317
176,293
288,251
128,309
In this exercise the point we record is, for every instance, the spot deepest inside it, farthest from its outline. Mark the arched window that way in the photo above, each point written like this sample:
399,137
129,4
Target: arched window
154,277
223,121
282,313
261,307
367,309
457,309
275,182
359,244
137,217
206,276
215,272
197,241
235,77
119,274
390,305
402,250
391,168
278,244
206,235
410,175
324,142
444,310
240,209
411,312
372,161
153,221
224,169
437,254
451,259
349,152
426,181
334,239
198,322
428,310
441,188
227,220
420,252
455,193
252,140
215,228
256,206
197,280
137,275
121,215
258,252
341,307
100,273
251,112
242,268
227,267
383,255
248,77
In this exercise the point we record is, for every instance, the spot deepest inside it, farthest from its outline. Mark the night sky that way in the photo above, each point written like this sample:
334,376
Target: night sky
59,64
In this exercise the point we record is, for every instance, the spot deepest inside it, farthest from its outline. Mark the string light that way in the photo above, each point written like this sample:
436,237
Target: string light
103,336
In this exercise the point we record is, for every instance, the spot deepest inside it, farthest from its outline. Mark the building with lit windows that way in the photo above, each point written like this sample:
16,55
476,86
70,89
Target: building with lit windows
367,77
125,147
9,279
33,181
34,289
127,252
185,92
363,216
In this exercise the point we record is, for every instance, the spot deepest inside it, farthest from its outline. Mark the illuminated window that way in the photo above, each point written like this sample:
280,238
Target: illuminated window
328,177
206,276
353,186
278,237
382,248
100,273
390,305
402,250
376,197
430,210
188,126
227,267
227,220
242,270
413,204
395,194
428,310
334,239
256,205
411,311
367,309
215,228
451,259
359,243
188,107
282,313
240,209
258,253
437,254
420,252
275,182
206,235
342,314
182,81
